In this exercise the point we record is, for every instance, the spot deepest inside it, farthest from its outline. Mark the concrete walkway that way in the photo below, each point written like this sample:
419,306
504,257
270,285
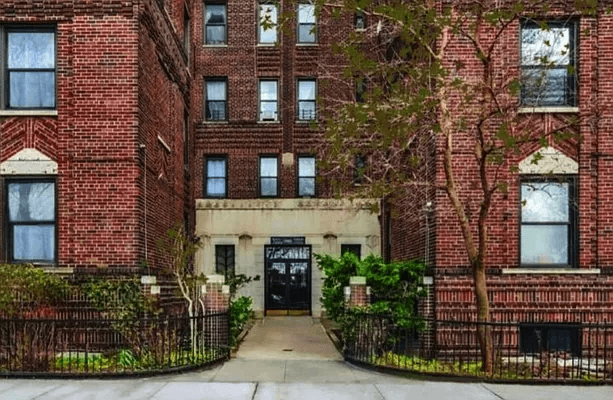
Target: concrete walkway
290,375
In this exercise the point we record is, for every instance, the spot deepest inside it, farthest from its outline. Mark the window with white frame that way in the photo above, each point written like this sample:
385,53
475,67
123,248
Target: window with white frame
306,176
216,99
268,100
306,99
215,24
29,67
548,64
267,29
268,176
307,23
216,173
31,220
548,222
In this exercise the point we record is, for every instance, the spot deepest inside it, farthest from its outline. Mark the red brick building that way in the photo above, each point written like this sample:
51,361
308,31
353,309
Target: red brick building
549,237
119,118
95,136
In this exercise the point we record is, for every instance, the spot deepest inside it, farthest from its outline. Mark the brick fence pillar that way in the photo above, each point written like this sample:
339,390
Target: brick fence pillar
357,294
216,298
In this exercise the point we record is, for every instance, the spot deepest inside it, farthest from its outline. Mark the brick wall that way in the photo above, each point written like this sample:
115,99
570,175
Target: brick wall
242,138
114,59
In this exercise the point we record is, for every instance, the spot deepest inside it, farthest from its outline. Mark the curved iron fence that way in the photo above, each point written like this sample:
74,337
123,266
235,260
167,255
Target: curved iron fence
534,351
65,347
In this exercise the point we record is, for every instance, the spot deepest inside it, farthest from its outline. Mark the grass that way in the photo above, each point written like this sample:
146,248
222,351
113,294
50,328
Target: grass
512,371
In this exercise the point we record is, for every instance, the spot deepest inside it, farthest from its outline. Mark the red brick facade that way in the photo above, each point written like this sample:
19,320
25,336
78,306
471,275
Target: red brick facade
121,82
566,294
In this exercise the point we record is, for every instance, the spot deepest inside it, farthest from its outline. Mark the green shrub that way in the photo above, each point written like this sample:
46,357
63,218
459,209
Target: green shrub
395,287
240,311
28,285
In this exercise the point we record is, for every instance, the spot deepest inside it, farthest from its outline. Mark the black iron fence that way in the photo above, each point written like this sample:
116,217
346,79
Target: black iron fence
531,351
85,347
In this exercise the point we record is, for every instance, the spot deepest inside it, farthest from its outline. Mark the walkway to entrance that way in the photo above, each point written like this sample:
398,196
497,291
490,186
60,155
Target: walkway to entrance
288,338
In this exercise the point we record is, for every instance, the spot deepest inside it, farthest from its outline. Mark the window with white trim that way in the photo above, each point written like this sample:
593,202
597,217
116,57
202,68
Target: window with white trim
216,94
306,99
269,176
216,173
307,23
306,176
268,100
267,27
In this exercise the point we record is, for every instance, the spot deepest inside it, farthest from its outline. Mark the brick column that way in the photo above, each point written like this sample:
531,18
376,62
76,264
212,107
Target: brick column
358,293
216,298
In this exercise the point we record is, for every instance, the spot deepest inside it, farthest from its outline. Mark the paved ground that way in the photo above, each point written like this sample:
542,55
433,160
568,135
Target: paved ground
313,370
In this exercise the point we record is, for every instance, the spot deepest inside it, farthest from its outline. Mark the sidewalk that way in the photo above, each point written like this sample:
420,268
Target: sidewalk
279,374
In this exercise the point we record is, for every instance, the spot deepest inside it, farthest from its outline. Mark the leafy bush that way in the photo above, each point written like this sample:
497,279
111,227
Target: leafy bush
240,311
29,286
395,287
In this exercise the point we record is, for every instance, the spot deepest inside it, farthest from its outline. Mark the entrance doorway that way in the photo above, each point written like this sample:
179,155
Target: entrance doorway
288,279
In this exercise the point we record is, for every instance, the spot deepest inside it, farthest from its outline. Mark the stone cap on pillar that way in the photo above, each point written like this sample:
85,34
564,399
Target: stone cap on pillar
215,279
357,280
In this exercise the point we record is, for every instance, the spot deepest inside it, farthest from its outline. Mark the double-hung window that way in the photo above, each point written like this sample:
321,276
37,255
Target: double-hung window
352,248
548,222
306,99
224,260
31,221
215,23
306,176
360,169
216,173
548,64
307,23
268,176
268,100
267,31
216,99
28,65
360,21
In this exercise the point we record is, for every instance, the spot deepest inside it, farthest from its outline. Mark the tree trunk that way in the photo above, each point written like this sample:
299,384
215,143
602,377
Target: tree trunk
484,330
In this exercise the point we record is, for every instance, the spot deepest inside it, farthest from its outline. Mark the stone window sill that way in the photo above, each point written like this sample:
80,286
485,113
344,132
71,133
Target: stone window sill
551,271
542,110
28,113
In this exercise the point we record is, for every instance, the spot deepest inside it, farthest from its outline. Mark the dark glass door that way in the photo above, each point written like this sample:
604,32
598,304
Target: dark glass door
288,277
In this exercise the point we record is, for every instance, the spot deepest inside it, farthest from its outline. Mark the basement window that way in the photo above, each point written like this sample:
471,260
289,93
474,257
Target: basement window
535,338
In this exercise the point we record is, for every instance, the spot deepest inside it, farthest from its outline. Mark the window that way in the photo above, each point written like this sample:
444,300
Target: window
360,21
215,24
215,184
268,24
360,167
306,23
31,221
352,248
268,100
535,338
216,99
548,223
306,99
548,54
268,176
360,90
29,63
224,260
306,176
